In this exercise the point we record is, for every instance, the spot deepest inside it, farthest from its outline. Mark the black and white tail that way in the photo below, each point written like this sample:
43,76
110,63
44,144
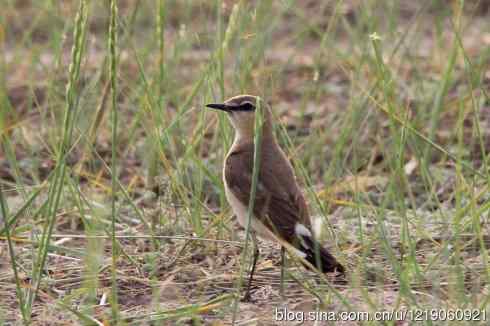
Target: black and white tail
314,253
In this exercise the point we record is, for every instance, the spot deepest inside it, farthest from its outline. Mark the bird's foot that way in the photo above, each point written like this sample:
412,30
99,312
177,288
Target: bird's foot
339,277
248,297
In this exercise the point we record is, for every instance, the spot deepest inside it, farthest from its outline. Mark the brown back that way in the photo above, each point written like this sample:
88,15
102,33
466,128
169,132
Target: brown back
279,203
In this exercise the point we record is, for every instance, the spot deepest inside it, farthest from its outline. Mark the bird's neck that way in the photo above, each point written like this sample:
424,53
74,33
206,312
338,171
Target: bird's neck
246,137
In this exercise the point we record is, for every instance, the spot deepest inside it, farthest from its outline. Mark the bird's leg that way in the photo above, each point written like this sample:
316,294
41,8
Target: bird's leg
254,263
283,271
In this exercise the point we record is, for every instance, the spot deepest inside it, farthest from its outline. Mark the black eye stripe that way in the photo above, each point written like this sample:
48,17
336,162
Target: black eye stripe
247,106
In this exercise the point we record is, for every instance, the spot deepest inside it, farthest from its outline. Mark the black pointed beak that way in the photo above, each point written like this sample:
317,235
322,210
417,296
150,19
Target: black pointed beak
216,106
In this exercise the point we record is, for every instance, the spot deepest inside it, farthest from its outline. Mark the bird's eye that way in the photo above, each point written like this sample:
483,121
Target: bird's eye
247,106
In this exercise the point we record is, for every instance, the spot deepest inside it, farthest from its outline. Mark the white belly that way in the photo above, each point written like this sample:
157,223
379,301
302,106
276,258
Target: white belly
260,229
240,211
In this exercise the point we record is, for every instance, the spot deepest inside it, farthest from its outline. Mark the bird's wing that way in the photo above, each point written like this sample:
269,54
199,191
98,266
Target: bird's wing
279,203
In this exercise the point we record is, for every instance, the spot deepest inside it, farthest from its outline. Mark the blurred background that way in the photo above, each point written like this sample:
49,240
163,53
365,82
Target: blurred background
109,164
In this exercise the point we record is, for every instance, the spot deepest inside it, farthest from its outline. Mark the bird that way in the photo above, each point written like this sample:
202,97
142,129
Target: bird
280,212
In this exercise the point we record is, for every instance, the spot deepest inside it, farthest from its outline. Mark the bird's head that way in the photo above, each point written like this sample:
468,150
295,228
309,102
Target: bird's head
241,110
